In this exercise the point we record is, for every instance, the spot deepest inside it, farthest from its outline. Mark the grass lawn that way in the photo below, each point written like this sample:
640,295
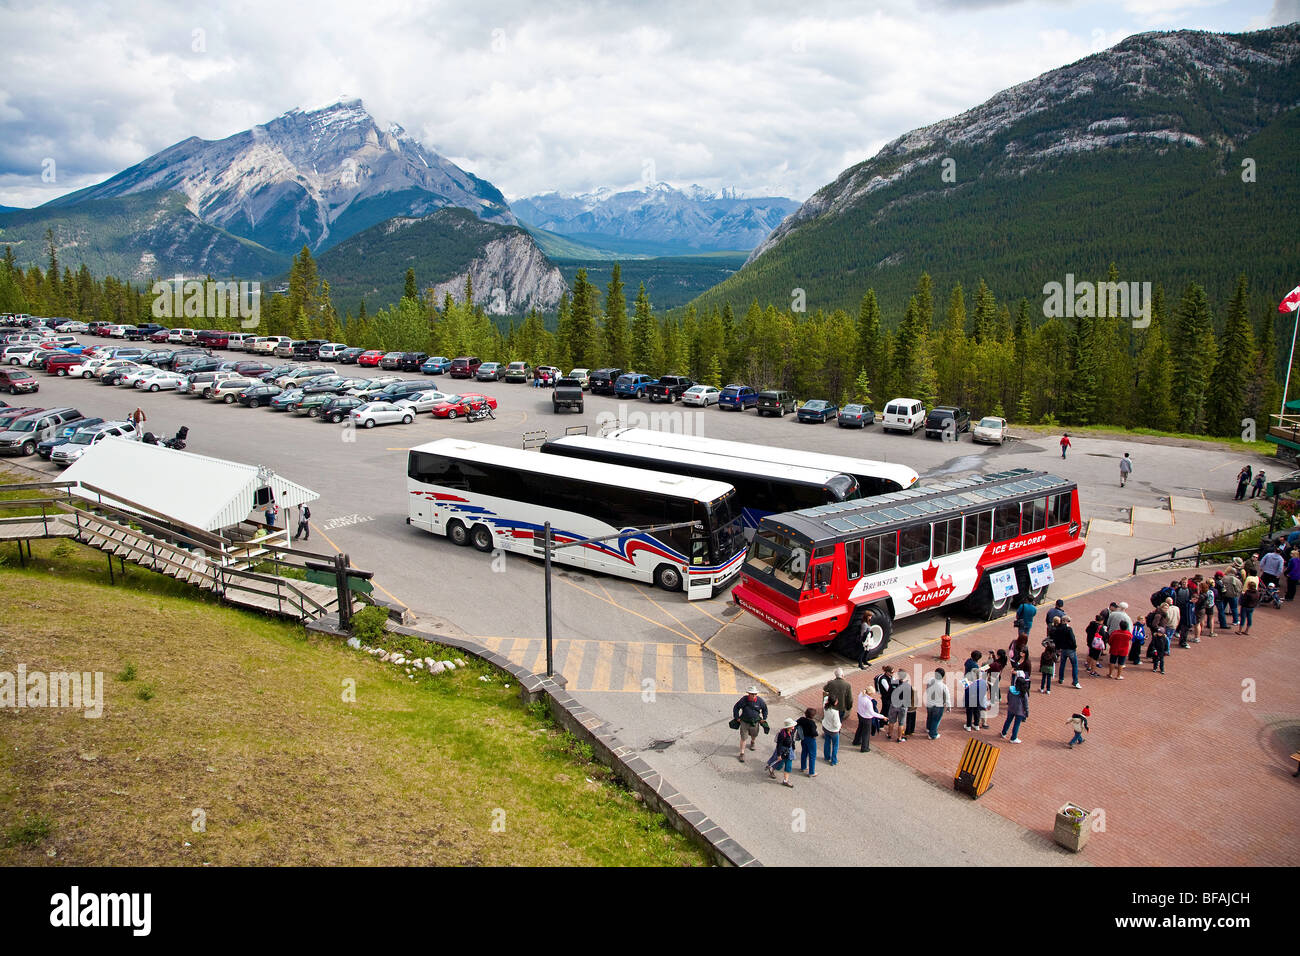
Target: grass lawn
243,719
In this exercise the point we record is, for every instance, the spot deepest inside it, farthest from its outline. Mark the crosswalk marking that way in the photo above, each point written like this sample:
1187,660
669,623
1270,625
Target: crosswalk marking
682,668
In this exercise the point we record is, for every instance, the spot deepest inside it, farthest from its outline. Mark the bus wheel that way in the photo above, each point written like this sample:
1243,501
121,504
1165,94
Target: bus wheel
481,537
668,577
456,531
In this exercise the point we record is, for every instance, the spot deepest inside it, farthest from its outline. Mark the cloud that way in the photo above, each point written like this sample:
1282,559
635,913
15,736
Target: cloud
567,96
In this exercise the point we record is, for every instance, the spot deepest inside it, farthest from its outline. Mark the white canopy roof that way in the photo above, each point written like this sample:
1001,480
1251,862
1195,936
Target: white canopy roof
202,492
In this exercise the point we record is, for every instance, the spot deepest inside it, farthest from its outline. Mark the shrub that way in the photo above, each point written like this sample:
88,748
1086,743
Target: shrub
368,624
31,831
126,674
145,692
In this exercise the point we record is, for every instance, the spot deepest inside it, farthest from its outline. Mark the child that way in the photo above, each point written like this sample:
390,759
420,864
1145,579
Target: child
1139,638
1046,666
1159,649
1080,724
1095,647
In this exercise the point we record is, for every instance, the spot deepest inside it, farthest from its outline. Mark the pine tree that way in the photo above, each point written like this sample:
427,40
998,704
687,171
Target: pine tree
1230,383
647,348
985,314
713,376
581,337
862,388
411,291
1193,354
1155,380
617,334
868,357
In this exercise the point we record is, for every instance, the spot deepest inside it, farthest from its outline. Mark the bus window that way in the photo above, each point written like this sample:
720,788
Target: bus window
979,529
914,545
880,553
853,559
947,537
783,559
1033,515
1006,522
819,577
1061,509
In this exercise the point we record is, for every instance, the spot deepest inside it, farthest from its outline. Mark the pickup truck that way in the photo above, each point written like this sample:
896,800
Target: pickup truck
567,394
668,389
632,385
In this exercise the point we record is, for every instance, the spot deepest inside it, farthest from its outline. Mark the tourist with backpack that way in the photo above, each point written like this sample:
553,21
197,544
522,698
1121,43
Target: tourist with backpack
1047,666
975,696
1243,482
1067,646
783,756
748,715
805,734
1257,489
1096,643
1017,706
1229,595
1159,649
1249,601
1139,640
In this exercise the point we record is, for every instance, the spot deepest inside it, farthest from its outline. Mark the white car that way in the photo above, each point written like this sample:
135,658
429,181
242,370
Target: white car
701,395
583,375
903,415
372,385
139,374
181,336
990,431
76,446
329,352
381,413
106,365
162,380
421,401
228,389
62,340
71,327
118,331
18,354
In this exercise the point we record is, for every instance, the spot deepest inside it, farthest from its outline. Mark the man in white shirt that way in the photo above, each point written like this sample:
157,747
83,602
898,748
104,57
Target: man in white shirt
938,698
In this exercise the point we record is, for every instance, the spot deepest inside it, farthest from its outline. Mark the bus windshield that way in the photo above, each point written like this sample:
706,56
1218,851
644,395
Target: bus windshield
780,556
727,528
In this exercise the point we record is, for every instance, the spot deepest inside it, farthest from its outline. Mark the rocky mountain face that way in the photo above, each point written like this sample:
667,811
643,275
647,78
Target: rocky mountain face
510,274
308,178
1149,92
665,220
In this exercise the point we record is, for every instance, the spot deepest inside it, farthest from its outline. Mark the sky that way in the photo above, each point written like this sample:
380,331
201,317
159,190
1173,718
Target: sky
538,97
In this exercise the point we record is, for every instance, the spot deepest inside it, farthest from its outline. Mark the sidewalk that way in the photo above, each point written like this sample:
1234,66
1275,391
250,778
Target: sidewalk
1189,768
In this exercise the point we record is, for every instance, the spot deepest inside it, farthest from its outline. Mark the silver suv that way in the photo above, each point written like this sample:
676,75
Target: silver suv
76,446
24,434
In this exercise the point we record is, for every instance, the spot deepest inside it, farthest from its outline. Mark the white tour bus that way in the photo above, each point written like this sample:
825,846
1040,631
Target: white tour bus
762,487
494,497
874,477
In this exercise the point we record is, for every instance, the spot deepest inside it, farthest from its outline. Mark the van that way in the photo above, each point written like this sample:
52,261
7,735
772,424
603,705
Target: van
213,339
903,415
24,434
465,367
16,381
182,336
775,401
238,341
329,352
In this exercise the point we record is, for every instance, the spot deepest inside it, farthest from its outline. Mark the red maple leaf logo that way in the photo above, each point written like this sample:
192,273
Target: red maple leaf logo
931,589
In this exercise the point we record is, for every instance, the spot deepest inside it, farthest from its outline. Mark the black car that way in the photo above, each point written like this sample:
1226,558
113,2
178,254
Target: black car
182,357
156,356
398,390
139,333
602,380
272,374
340,408
259,395
307,350
206,364
332,383
349,356
411,361
252,369
112,375
947,420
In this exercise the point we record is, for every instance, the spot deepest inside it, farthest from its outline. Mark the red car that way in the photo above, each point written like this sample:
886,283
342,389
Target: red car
454,406
371,358
103,330
60,364
160,335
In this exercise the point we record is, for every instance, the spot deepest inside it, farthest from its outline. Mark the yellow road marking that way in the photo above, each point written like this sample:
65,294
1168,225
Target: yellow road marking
669,613
372,580
694,668
604,660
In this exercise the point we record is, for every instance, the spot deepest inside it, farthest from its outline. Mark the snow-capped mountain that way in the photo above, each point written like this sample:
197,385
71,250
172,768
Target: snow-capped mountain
306,178
692,219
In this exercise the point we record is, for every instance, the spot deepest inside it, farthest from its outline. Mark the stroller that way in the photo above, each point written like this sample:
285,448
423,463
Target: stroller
1271,594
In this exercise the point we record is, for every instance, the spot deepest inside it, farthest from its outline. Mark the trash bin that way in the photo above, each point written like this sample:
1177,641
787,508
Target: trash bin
1073,827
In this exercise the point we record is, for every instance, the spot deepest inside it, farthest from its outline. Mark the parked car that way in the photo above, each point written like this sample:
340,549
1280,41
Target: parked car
669,388
583,375
545,375
73,326
229,390
856,416
11,414
396,390
61,365
41,357
371,358
18,354
286,400
160,380
737,398
339,408
435,365
464,367
204,384
119,331
308,350
46,448
517,372
490,372
18,381
271,376
255,396
140,373
350,355
381,413
183,336
155,356
453,406
391,361
421,401
267,344
567,394
179,358
632,385
990,431
411,361
213,339
903,415
194,365
143,332
162,335
329,352
284,349
22,435
601,381
301,374
330,384
238,341
947,420
817,410
701,396
775,401
113,372
311,403
252,369
372,386
83,438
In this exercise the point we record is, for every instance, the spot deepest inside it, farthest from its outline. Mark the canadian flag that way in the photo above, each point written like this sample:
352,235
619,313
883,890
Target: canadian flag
1291,302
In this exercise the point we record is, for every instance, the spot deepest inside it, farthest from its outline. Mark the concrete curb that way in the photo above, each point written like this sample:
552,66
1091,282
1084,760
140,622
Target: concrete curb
657,792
